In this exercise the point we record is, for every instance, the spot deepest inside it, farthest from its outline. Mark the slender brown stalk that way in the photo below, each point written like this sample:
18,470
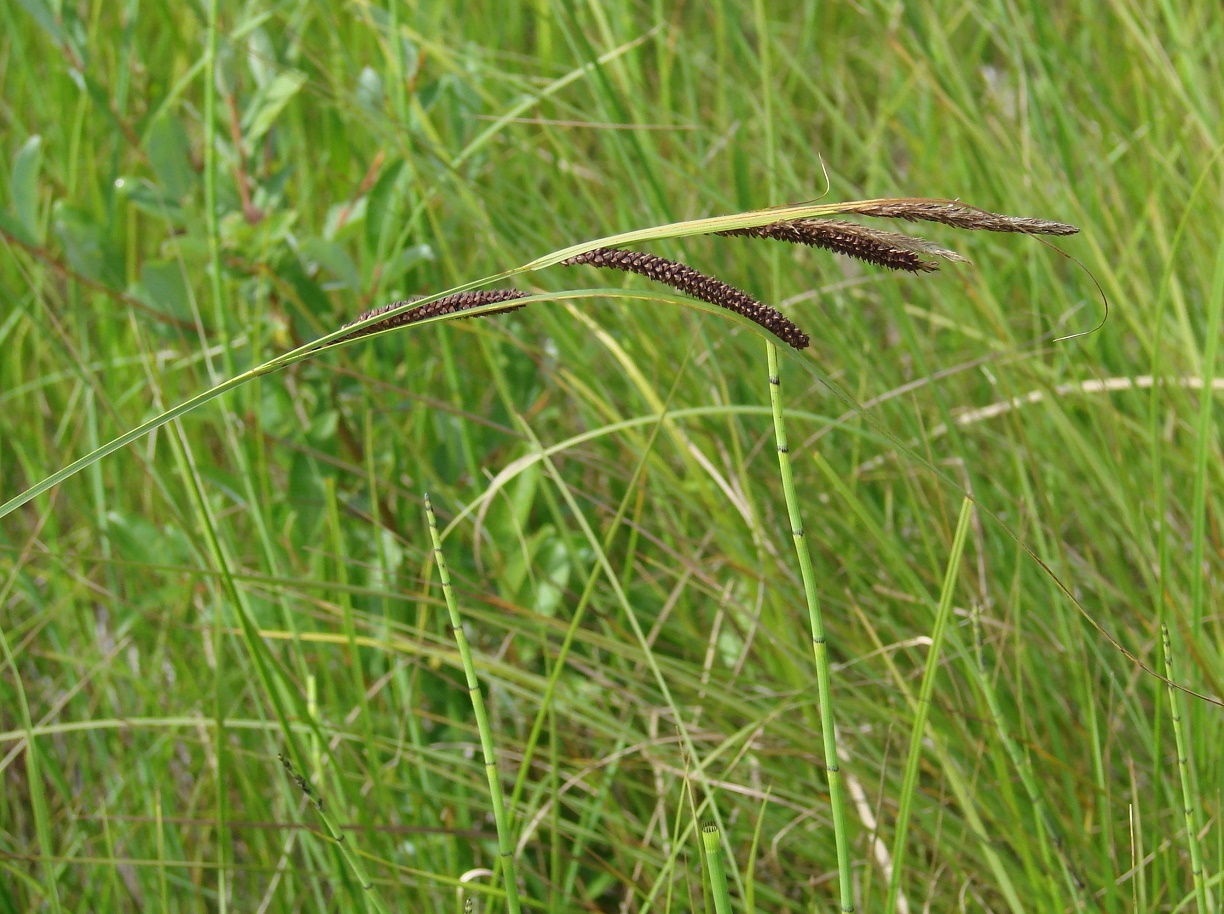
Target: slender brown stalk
957,215
886,249
684,278
450,304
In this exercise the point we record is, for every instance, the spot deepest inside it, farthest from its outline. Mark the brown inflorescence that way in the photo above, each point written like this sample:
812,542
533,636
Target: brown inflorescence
957,215
886,249
684,278
450,304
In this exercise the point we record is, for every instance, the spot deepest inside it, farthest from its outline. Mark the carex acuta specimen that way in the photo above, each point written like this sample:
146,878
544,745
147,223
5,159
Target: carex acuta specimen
891,250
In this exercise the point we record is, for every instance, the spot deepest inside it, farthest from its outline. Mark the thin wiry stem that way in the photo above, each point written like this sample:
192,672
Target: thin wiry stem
820,647
892,250
684,278
909,783
349,853
505,846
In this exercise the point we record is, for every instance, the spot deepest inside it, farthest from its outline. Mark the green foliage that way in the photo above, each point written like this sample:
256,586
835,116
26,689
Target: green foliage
255,578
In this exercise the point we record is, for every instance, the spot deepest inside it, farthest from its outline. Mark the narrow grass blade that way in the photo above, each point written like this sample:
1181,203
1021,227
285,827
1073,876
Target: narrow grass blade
926,690
34,777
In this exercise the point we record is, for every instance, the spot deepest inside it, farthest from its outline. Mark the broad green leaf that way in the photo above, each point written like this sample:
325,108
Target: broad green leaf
10,224
322,431
103,104
305,492
89,249
344,219
554,561
369,91
268,103
163,288
25,185
170,156
138,540
45,18
311,295
408,258
225,77
240,235
261,57
155,201
335,260
383,199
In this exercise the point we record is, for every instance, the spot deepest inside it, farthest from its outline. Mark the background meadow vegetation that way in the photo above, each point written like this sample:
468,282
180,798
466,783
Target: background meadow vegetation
258,574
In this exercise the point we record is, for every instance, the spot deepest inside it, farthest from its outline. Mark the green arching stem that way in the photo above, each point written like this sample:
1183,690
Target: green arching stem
505,846
820,647
1202,894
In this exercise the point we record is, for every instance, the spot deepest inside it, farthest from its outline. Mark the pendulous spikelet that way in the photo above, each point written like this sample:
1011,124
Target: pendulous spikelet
460,301
684,278
957,215
886,249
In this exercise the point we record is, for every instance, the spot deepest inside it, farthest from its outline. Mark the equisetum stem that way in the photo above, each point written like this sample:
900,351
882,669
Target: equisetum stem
820,648
712,844
505,847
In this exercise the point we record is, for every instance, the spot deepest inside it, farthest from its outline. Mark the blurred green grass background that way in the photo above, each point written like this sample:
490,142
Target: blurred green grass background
366,152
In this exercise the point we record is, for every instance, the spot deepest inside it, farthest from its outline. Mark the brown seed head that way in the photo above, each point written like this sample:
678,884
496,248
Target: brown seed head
684,278
886,249
957,215
450,304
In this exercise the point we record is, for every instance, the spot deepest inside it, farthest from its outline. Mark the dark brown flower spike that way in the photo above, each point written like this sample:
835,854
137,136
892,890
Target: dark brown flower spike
957,215
450,304
684,278
303,784
886,249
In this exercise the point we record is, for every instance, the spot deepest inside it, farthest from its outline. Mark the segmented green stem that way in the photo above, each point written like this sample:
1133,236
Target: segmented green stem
820,648
1202,895
718,876
505,847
